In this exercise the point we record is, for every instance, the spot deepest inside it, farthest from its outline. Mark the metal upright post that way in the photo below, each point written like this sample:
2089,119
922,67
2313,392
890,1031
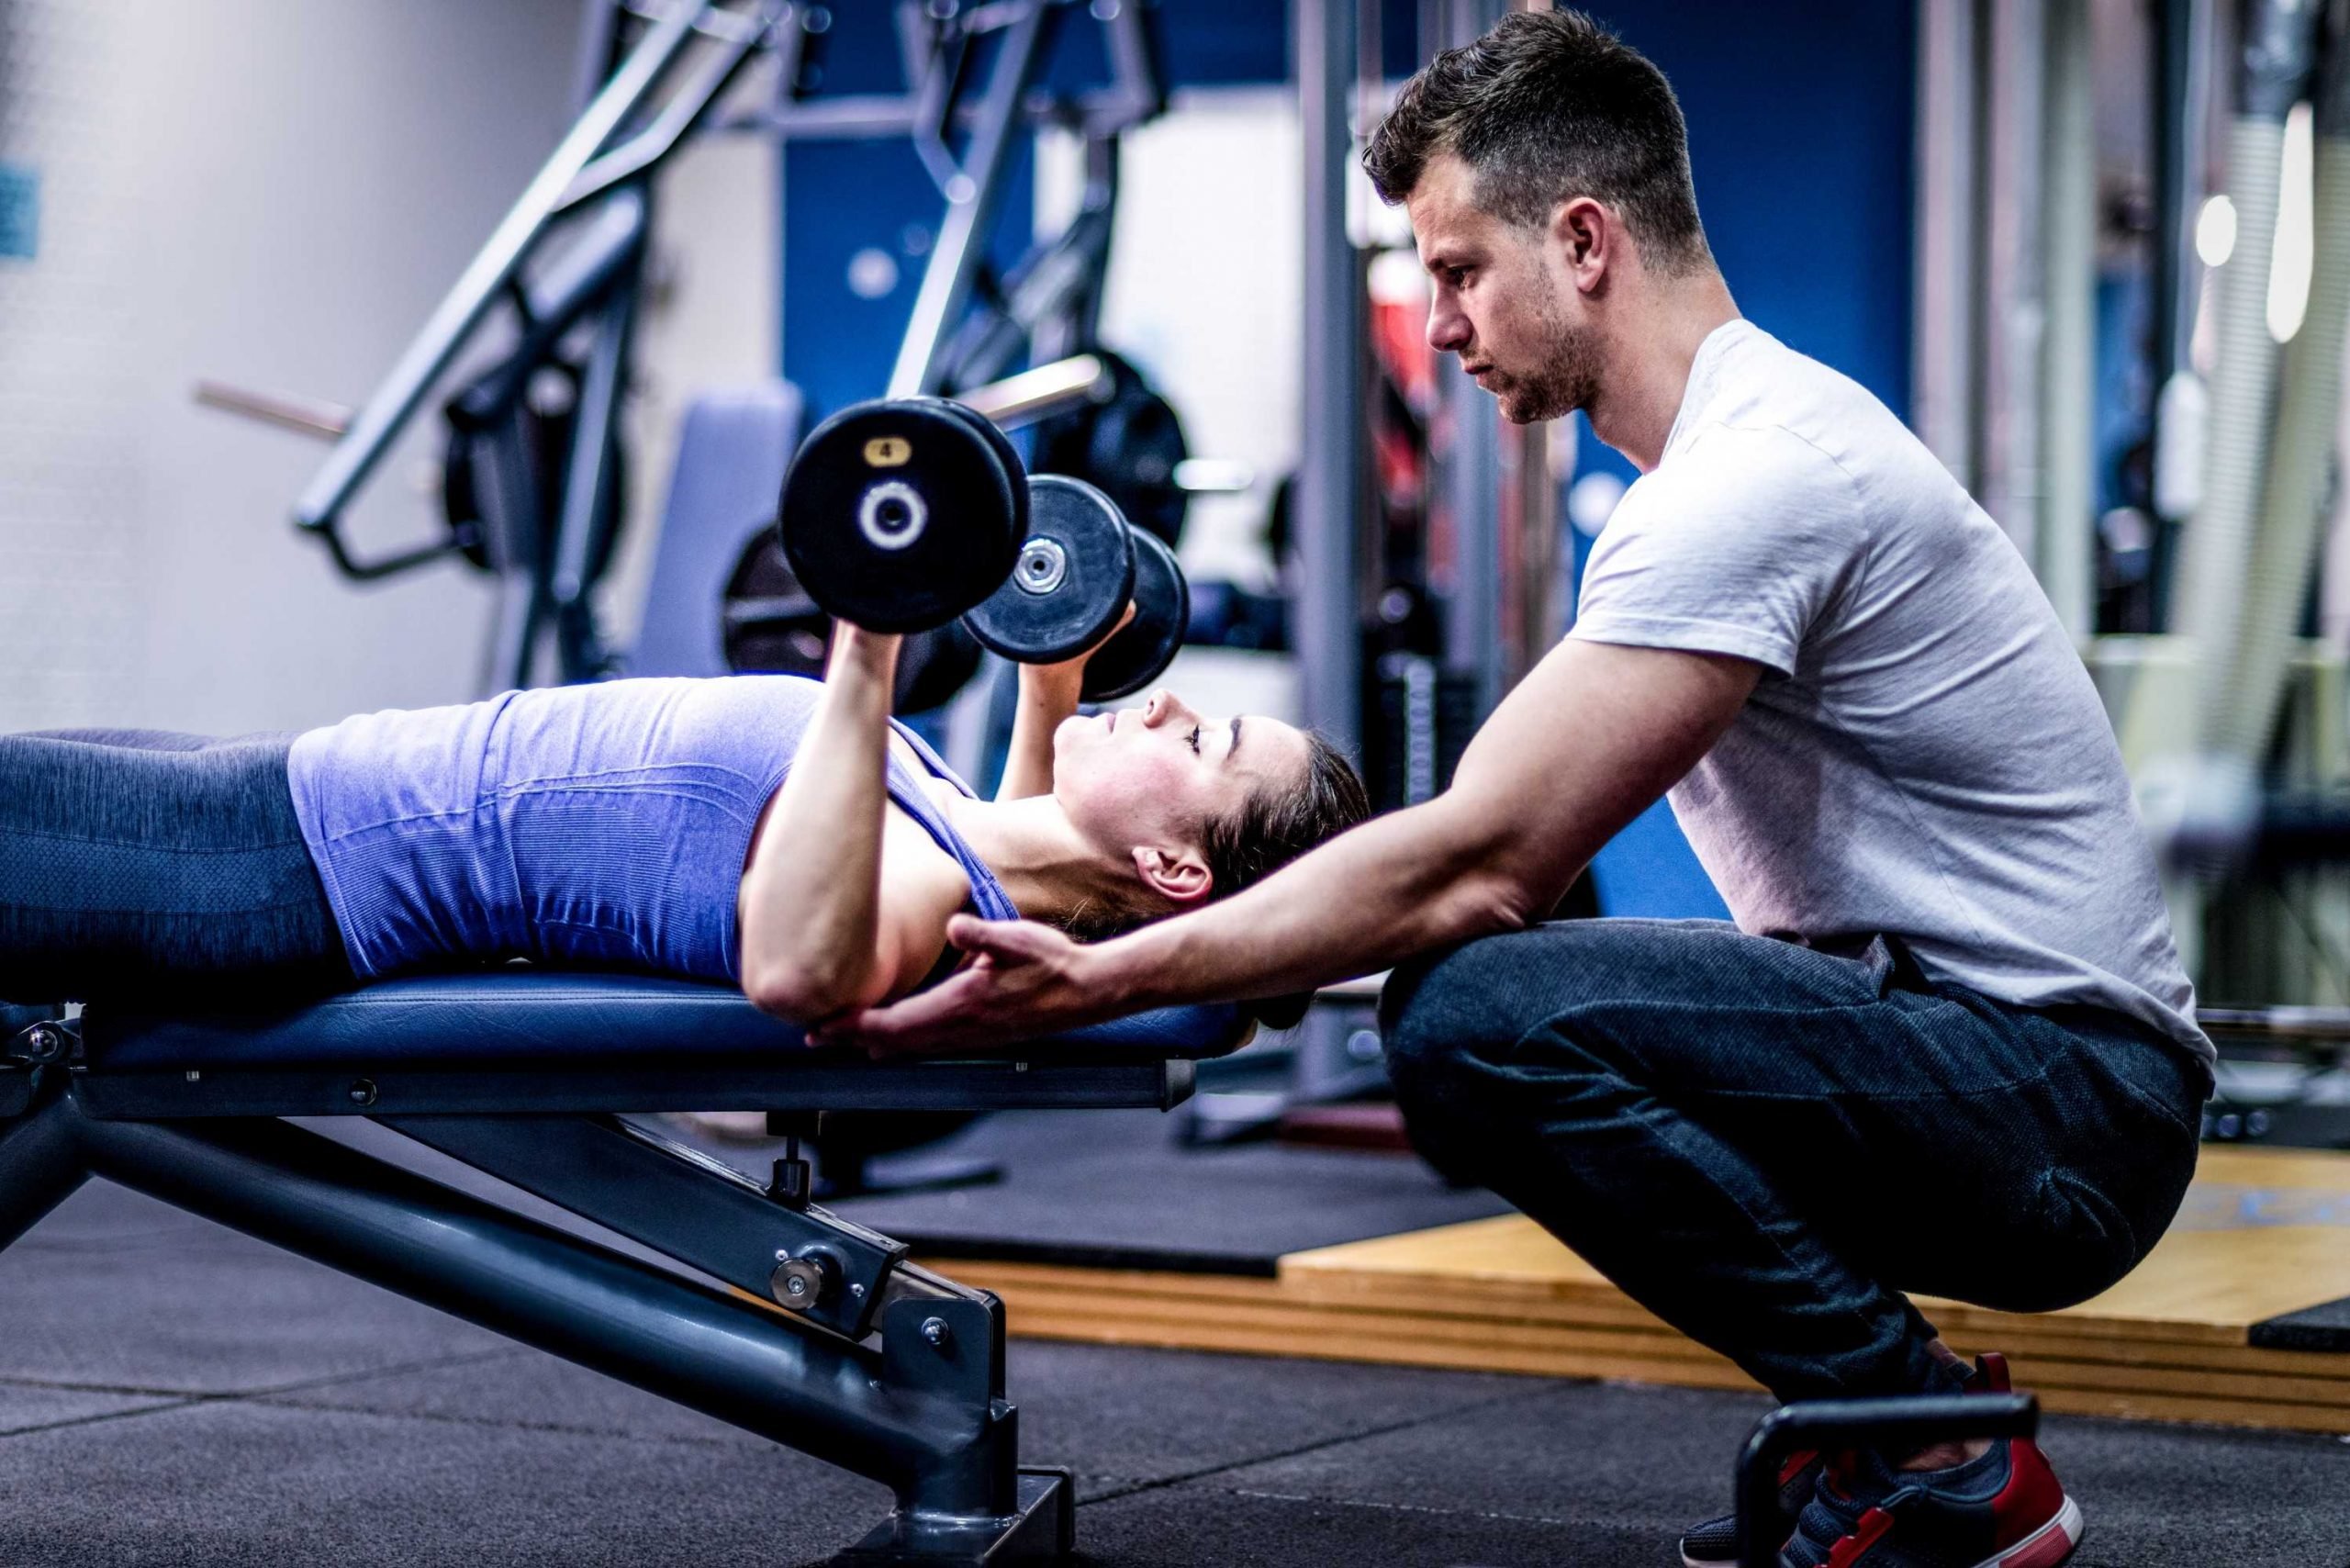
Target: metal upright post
2011,479
2065,555
971,203
1946,385
1329,486
1468,471
2183,45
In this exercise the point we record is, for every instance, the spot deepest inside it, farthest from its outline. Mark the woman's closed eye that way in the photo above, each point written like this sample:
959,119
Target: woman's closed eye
1194,739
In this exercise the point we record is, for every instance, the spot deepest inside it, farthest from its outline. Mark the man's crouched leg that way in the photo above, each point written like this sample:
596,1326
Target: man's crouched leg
1752,1140
1758,1141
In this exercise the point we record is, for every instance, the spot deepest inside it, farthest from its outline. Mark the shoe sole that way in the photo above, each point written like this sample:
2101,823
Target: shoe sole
2046,1546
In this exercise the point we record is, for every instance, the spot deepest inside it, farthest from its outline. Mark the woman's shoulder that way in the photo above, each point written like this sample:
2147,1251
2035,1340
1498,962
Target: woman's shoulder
910,848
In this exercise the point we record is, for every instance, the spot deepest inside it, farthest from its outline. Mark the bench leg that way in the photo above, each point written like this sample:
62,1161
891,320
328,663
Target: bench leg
41,1166
919,1416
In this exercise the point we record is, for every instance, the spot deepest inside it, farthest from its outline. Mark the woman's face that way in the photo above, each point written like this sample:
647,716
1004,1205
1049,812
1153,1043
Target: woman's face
1156,775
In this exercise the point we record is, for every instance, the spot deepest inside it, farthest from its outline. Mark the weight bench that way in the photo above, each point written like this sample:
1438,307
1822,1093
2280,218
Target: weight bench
802,1328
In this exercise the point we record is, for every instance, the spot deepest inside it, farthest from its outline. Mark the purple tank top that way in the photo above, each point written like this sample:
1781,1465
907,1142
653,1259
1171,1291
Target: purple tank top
600,826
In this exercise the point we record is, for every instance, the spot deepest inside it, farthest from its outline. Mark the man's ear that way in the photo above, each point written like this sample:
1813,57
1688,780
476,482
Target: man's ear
1182,877
1585,235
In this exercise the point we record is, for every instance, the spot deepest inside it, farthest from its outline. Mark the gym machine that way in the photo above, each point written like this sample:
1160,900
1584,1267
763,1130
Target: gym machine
533,484
2232,840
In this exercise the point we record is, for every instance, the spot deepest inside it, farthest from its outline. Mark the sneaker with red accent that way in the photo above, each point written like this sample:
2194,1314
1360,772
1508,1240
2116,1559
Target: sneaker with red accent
2003,1510
1714,1544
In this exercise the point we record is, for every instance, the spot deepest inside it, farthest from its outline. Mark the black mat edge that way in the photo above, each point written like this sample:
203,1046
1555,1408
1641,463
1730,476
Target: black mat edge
2322,1328
1081,1255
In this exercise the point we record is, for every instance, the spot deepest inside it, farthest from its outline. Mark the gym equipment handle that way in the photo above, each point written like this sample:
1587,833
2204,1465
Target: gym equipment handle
303,415
1832,1424
1031,394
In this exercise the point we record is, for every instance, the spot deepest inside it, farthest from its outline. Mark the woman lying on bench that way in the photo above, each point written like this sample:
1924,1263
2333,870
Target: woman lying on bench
764,831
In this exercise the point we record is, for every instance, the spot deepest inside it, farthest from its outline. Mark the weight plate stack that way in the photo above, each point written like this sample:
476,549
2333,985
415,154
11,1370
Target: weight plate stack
1075,574
1146,645
899,515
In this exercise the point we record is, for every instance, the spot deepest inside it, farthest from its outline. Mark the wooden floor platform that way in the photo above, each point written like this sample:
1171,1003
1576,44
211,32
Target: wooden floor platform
2263,1233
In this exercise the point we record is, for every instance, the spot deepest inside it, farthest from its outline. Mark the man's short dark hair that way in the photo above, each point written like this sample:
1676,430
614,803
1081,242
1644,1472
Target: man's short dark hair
1546,106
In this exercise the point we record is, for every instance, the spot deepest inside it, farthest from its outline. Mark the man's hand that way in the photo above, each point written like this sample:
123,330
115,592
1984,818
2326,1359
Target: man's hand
1028,981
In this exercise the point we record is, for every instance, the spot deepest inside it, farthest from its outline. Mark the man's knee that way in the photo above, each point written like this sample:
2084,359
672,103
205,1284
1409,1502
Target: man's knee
1433,1006
1486,990
1443,1021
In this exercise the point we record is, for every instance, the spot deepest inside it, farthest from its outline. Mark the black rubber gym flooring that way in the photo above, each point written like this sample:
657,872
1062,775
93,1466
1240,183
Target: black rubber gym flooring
1111,1189
172,1392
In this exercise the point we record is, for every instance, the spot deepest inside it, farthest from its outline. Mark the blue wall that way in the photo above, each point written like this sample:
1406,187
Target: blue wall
1801,138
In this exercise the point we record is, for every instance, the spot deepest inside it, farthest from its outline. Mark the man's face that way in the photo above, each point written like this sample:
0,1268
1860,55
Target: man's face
1503,301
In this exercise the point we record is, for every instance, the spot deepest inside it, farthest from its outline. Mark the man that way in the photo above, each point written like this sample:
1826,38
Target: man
1947,1046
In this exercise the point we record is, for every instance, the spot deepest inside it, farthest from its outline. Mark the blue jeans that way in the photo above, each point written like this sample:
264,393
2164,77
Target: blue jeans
139,864
1765,1145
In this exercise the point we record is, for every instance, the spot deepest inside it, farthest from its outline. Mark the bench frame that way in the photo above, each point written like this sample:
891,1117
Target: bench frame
781,1318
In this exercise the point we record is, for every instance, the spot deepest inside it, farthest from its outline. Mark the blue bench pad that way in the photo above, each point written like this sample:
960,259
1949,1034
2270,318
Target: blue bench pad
547,1019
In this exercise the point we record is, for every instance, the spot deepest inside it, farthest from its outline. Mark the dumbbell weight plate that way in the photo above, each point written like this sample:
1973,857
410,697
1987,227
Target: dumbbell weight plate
990,429
897,516
995,437
1146,645
1075,574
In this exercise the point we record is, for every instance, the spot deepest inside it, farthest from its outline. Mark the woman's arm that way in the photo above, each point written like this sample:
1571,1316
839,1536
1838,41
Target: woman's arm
836,909
1049,694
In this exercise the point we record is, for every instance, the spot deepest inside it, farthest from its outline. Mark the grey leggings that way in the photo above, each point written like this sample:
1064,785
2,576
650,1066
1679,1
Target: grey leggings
143,865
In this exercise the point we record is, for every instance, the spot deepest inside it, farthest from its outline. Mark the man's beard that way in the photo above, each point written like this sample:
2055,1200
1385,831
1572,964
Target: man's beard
1566,379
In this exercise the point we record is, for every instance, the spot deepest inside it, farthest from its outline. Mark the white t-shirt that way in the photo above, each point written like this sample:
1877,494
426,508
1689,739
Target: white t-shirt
1925,756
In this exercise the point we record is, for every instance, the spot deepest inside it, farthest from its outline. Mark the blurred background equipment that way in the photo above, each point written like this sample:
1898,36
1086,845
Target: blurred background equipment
533,481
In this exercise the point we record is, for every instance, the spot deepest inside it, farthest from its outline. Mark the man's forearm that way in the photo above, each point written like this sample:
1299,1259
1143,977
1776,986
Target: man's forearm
1394,887
1593,735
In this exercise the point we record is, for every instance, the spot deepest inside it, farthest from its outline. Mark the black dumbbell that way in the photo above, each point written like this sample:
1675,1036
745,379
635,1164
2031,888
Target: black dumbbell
1070,583
1146,645
898,515
1079,565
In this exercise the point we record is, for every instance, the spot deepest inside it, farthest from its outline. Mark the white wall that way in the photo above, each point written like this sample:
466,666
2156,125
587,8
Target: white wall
712,321
271,192
1204,292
